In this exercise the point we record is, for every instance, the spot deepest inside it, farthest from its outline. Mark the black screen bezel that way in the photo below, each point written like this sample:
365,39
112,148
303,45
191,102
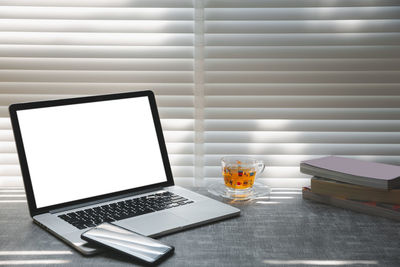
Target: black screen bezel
80,100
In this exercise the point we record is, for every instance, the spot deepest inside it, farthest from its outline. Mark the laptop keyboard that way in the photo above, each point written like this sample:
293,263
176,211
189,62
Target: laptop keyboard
124,209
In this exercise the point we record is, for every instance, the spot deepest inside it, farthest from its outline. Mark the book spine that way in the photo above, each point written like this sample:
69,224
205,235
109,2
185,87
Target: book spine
349,191
352,205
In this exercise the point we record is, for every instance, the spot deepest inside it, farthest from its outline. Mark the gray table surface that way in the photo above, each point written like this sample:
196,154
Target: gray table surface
282,231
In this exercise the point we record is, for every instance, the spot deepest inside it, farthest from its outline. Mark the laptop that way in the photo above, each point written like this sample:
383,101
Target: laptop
103,158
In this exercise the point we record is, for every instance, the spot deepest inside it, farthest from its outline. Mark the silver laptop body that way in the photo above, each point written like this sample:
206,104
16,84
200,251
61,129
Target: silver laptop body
84,154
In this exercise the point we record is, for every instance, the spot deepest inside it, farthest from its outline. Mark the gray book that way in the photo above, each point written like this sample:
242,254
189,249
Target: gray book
377,209
353,171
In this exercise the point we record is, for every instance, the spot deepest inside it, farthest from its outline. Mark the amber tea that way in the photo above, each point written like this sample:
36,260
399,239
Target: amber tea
239,178
240,172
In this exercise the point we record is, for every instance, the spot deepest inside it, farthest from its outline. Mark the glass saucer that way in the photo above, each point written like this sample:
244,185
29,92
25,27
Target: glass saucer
257,191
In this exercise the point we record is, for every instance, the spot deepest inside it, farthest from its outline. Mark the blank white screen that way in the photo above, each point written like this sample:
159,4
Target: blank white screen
84,150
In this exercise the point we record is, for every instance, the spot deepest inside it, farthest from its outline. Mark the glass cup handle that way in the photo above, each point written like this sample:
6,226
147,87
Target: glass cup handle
260,166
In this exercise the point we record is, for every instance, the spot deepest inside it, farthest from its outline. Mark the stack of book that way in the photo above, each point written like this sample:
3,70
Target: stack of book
368,187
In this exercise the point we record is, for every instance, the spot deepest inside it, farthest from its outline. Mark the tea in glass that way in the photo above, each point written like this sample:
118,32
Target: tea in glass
240,172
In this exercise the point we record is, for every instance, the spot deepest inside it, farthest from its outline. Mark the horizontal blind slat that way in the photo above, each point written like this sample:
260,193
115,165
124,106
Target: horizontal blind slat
9,159
180,148
303,101
7,147
6,135
303,39
207,3
176,112
304,26
334,51
279,160
321,89
96,26
95,13
87,88
181,160
96,76
284,137
296,3
297,148
302,76
182,171
306,13
177,124
315,64
5,124
131,39
179,136
10,170
113,64
304,113
303,125
85,51
100,3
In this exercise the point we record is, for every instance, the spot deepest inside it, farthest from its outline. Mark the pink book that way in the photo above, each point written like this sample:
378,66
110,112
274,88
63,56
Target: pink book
353,171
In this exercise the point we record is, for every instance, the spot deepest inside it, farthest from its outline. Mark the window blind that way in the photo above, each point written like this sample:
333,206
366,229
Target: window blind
278,80
58,49
290,80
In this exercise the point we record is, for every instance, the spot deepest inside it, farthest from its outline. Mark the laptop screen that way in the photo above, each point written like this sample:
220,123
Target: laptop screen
84,150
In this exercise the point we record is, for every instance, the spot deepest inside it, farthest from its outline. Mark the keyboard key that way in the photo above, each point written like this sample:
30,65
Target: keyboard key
178,200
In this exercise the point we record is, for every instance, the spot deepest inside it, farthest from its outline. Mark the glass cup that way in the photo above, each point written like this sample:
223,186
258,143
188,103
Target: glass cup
240,172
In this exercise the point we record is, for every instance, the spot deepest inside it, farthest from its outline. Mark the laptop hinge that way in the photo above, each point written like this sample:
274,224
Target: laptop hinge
77,206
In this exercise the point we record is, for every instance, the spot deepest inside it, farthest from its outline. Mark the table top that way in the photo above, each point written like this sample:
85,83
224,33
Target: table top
284,230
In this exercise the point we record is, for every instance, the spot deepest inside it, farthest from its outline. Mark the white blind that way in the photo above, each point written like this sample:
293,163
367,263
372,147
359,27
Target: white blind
279,80
290,80
57,49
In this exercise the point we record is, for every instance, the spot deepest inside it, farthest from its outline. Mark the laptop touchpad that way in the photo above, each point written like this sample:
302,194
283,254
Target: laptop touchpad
153,223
